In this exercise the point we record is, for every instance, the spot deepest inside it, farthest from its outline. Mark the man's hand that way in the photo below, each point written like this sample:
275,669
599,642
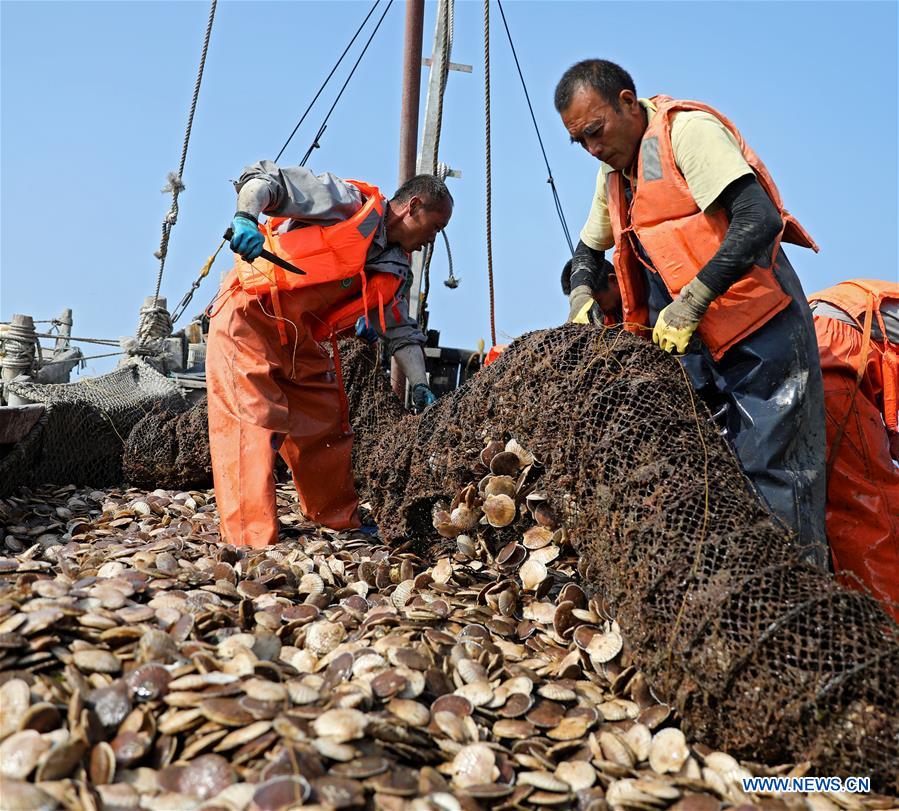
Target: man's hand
579,303
422,397
678,321
247,240
365,331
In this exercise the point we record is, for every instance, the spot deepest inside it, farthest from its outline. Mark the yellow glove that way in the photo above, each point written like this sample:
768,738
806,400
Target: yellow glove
678,321
671,338
583,317
579,303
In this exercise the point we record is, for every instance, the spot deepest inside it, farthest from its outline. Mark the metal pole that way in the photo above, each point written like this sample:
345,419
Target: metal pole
412,38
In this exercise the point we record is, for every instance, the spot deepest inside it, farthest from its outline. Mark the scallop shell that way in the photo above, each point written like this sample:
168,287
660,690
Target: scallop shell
500,510
323,636
474,764
340,725
525,457
668,751
500,486
532,574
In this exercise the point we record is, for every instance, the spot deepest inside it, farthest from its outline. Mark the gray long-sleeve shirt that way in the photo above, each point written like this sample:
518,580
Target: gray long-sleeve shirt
305,198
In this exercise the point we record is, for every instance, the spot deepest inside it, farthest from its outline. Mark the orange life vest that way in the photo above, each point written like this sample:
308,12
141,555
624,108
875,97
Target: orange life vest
328,253
680,239
861,299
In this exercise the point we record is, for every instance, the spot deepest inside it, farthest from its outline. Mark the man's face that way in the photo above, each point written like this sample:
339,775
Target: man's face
609,300
418,225
609,135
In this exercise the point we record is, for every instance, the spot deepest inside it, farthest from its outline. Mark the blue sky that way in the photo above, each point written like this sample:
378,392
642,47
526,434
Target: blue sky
95,98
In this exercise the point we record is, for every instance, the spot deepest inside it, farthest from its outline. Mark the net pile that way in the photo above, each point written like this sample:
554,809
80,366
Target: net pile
169,448
89,421
17,458
761,654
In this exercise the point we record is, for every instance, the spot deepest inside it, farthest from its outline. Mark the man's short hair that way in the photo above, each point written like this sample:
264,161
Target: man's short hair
430,188
606,78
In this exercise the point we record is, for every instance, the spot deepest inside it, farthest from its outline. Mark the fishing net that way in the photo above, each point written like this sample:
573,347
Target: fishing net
761,654
87,422
16,459
169,448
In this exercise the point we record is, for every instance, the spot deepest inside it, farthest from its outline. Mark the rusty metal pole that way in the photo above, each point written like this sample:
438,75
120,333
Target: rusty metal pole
412,38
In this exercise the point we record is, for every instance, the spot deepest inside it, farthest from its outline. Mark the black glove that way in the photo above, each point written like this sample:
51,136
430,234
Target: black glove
422,397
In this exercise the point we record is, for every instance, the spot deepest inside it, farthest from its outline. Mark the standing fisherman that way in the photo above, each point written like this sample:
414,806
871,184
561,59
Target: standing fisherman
272,387
697,224
857,323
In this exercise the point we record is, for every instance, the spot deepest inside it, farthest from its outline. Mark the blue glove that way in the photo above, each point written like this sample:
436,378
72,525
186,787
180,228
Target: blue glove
422,397
366,332
247,240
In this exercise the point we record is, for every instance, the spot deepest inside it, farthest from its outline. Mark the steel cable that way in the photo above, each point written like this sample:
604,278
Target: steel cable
550,179
321,129
327,79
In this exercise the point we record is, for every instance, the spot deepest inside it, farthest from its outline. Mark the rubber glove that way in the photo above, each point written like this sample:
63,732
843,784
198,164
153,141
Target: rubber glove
422,397
365,331
247,240
579,303
678,321
583,317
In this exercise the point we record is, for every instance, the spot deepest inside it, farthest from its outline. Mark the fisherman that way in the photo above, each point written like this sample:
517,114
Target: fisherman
272,387
697,224
857,324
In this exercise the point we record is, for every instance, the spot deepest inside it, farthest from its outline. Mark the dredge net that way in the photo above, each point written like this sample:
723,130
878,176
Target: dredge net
88,422
21,456
169,448
761,654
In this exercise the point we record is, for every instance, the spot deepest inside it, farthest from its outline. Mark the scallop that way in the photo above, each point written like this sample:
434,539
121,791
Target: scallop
668,751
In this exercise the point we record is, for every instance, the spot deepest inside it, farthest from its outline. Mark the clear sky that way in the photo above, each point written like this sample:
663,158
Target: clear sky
95,98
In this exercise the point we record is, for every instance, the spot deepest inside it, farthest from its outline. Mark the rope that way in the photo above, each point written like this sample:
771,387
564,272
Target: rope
103,341
19,347
327,79
321,130
105,355
488,172
154,323
438,168
549,171
188,296
175,184
451,281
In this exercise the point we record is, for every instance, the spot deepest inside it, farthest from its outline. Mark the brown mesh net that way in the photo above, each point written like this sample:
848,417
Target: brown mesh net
89,421
170,448
19,458
761,654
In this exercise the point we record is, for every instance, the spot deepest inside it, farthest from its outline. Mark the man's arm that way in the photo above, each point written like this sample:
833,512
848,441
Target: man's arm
295,192
754,224
581,281
405,342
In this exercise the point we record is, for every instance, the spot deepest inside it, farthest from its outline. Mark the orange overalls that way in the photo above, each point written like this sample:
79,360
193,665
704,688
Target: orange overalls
272,388
861,387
